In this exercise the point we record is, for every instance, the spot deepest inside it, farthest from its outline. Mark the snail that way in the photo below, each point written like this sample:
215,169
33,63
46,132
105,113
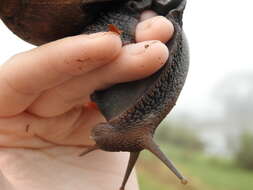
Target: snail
133,110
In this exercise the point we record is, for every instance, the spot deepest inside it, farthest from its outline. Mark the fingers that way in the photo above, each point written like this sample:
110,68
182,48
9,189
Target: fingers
134,62
74,93
155,28
26,75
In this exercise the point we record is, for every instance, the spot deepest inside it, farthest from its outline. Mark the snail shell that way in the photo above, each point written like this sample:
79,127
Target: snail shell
39,22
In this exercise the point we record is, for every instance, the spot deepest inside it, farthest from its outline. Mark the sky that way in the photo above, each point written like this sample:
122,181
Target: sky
220,39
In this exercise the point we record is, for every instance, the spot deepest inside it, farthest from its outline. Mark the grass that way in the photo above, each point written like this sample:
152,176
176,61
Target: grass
148,183
204,173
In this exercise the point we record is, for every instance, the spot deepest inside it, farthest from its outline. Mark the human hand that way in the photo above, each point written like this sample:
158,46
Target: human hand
42,98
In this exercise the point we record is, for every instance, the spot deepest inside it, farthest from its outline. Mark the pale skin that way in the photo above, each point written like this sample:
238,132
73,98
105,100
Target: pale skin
44,96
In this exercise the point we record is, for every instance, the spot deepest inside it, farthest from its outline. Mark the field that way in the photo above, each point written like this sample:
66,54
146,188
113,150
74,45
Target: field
204,172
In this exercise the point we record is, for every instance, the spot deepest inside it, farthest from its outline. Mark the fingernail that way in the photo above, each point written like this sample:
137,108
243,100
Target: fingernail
139,48
146,24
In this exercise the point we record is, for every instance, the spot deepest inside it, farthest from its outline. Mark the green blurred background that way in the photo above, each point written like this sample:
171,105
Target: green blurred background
205,171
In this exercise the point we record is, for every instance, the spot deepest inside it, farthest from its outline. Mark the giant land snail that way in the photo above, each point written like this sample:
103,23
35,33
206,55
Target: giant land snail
133,110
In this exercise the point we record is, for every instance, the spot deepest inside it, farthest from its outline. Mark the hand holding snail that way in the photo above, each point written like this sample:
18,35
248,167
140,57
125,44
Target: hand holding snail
31,86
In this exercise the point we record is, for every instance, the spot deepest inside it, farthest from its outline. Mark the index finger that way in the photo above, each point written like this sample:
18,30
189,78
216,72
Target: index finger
26,75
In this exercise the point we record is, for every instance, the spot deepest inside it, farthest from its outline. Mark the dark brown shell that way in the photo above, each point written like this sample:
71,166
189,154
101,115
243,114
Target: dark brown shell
39,22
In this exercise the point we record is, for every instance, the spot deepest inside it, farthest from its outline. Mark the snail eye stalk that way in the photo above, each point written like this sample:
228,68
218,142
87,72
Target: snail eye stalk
132,160
152,147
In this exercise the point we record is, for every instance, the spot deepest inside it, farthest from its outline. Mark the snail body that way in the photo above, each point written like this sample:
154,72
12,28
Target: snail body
134,109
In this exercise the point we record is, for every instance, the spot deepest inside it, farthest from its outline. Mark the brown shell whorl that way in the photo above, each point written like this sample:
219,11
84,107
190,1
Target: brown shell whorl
9,8
39,22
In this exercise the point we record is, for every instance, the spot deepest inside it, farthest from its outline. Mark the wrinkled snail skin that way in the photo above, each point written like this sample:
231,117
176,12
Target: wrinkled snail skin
133,110
39,22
